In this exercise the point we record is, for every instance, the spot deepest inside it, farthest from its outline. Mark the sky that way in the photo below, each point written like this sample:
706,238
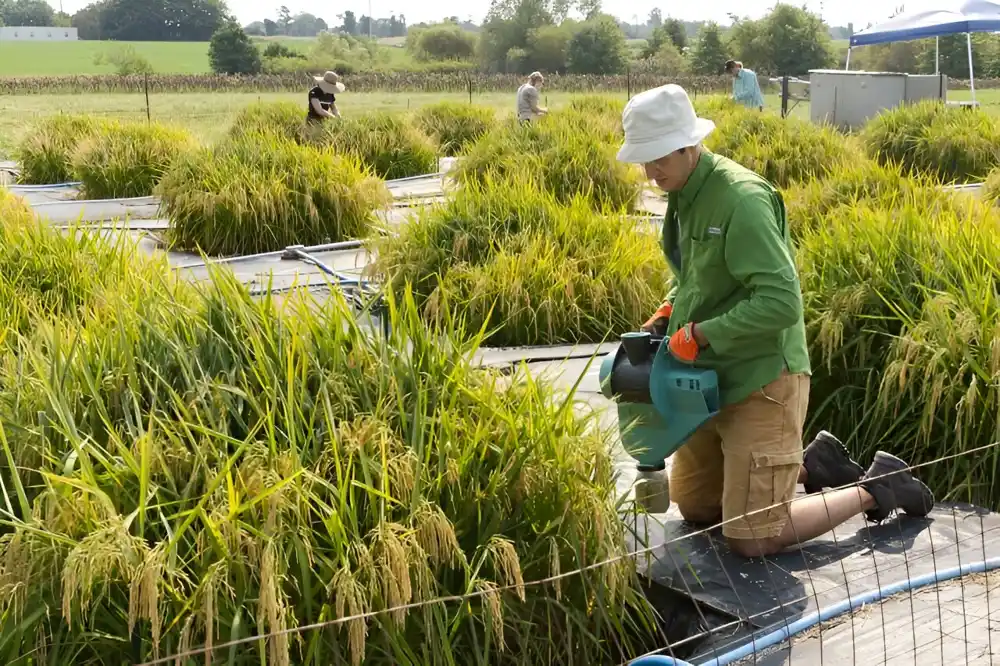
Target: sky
835,12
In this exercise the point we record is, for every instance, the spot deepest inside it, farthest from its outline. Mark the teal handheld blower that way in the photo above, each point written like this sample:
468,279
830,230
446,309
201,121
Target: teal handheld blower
661,401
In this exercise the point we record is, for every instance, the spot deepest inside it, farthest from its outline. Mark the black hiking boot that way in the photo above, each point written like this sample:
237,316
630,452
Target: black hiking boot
828,464
900,490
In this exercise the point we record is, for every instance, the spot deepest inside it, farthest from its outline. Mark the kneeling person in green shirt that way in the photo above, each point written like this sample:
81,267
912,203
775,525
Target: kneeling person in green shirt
736,307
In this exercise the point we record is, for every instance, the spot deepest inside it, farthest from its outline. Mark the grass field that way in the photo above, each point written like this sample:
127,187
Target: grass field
55,58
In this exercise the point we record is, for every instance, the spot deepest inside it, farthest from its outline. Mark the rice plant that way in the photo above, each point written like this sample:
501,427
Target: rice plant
127,159
903,314
383,141
507,255
951,145
45,155
454,126
45,274
224,467
263,192
809,202
568,154
286,119
782,150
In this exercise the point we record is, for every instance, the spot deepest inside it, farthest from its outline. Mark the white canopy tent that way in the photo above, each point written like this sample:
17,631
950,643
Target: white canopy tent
961,16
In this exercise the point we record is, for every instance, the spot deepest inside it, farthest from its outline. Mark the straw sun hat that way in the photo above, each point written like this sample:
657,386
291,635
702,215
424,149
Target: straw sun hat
330,82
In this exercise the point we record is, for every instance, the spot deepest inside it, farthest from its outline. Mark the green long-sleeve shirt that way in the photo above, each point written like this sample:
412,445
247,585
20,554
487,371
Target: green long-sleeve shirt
726,238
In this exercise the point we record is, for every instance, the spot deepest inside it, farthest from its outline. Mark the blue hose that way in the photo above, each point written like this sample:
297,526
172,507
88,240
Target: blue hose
809,621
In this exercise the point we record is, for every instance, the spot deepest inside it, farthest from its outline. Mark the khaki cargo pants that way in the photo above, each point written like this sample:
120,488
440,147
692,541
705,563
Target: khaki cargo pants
745,459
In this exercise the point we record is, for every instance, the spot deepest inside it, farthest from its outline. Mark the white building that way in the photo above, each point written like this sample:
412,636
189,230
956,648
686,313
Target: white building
37,34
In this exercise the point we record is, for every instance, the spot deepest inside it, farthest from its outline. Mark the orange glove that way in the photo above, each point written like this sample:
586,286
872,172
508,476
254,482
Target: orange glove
683,345
658,322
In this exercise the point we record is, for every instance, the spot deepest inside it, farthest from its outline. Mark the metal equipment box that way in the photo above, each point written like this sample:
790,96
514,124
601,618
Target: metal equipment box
847,99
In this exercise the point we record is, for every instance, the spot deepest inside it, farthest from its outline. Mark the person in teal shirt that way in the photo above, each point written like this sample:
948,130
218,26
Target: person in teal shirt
735,306
746,90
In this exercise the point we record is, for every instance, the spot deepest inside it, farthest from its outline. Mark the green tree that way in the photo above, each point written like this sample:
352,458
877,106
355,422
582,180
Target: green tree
597,47
507,26
232,52
709,55
161,20
27,13
445,41
655,19
548,47
672,32
954,56
676,32
256,28
748,44
87,22
894,57
670,61
350,23
798,41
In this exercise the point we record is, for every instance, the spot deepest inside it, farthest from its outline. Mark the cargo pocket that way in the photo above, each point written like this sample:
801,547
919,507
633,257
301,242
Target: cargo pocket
773,477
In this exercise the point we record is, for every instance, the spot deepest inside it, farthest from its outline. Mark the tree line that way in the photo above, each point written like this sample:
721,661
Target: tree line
525,35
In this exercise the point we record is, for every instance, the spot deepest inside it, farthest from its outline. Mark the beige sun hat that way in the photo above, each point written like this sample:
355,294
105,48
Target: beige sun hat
330,82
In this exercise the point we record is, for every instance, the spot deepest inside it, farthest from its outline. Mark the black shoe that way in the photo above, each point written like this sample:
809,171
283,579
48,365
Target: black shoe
829,465
899,490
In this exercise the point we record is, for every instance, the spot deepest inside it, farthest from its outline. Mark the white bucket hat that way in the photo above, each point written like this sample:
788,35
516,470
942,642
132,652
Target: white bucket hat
330,82
658,122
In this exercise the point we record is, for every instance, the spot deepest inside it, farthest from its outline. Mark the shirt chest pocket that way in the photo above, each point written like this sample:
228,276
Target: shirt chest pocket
708,266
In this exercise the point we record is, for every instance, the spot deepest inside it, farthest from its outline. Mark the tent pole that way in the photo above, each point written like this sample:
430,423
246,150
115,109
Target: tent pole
848,65
937,55
972,76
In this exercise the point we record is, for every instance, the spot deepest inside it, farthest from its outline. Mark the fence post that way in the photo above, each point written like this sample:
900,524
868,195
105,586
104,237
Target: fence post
149,114
628,83
468,78
784,96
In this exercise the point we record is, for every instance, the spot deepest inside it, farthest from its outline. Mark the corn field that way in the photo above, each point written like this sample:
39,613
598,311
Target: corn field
428,82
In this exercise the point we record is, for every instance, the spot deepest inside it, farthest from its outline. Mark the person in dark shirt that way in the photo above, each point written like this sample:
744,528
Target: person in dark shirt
322,98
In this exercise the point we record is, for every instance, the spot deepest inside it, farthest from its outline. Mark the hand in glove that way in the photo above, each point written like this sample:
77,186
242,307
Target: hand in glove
657,324
685,345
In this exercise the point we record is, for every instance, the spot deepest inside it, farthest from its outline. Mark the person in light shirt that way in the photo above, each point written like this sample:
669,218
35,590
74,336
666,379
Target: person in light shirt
527,99
746,90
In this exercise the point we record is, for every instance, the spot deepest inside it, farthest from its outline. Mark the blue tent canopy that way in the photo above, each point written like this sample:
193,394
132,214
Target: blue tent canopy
961,17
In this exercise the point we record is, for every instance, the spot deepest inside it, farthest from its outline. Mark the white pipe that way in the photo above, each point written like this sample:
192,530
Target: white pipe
972,76
937,55
848,65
